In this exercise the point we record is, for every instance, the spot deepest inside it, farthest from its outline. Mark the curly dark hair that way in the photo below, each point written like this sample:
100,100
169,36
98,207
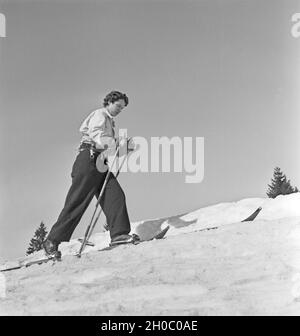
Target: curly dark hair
115,96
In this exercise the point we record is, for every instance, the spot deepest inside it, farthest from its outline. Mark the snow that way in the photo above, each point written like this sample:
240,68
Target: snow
238,268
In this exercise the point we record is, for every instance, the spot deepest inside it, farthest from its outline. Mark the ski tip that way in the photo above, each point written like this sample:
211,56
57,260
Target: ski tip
166,228
162,233
253,215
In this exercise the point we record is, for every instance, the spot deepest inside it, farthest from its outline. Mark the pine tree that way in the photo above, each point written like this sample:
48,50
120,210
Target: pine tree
280,185
36,242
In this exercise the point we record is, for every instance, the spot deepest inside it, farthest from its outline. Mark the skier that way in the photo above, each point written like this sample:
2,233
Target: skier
98,136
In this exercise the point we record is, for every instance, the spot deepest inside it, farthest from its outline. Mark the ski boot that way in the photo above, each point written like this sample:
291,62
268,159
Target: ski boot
51,250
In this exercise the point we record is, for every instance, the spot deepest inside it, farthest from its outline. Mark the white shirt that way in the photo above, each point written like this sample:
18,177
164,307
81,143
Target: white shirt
98,129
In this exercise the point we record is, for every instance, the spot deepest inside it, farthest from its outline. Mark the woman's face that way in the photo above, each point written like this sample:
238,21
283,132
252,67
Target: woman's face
115,108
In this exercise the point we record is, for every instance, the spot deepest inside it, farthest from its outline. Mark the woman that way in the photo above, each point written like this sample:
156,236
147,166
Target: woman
97,134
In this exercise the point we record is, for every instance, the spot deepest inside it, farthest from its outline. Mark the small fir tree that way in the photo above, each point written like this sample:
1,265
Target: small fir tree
37,241
280,185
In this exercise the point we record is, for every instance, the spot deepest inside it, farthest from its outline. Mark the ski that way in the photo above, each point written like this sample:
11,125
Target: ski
158,235
253,215
34,260
42,260
248,219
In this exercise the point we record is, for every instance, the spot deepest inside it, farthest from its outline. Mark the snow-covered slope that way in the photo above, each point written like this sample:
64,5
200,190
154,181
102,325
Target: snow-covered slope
208,217
247,268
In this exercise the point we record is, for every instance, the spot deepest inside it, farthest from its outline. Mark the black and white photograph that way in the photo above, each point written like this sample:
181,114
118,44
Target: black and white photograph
150,160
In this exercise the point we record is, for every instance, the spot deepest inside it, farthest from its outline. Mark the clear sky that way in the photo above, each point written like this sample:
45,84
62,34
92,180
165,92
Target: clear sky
225,70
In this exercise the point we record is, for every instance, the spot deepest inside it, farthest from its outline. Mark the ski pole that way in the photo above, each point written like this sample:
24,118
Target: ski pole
98,216
97,204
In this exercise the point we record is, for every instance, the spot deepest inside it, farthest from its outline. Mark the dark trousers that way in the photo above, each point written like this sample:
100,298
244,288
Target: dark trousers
86,183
